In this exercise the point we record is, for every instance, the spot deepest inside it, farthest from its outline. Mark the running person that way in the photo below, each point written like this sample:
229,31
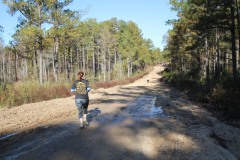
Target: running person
81,88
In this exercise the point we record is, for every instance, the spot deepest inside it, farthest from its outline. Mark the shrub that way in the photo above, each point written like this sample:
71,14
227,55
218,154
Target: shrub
218,93
29,92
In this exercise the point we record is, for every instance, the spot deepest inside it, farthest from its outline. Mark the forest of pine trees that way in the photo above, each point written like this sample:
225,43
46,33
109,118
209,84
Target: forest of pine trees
203,51
52,43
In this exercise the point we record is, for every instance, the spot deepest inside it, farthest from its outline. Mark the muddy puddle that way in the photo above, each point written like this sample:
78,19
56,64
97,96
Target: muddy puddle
143,108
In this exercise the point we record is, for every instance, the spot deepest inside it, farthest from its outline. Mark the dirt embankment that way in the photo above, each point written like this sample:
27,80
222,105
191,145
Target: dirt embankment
136,121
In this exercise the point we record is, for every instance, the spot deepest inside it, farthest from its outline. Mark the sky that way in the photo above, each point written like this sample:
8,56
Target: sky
149,15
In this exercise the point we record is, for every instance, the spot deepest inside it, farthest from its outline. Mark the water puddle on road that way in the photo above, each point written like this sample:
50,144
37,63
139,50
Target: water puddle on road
144,107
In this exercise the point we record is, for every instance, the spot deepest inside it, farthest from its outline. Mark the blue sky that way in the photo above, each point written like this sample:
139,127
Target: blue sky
149,15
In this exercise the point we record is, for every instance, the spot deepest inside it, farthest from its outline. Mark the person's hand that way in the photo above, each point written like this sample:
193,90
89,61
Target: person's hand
73,92
88,89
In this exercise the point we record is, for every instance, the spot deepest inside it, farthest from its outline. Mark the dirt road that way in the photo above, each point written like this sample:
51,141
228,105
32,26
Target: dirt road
136,121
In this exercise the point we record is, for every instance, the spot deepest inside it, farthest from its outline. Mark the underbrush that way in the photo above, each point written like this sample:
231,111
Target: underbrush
29,92
223,94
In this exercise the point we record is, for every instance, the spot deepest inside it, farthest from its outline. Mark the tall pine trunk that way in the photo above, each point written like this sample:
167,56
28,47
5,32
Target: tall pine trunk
15,66
238,22
207,61
68,63
233,37
217,64
83,59
55,58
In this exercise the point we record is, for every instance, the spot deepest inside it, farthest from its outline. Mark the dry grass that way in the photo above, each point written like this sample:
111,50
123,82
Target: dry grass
28,92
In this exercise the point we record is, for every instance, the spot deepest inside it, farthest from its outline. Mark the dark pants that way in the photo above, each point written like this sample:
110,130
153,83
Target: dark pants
82,105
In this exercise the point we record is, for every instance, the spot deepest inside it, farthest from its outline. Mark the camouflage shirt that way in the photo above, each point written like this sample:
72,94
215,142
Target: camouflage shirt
80,87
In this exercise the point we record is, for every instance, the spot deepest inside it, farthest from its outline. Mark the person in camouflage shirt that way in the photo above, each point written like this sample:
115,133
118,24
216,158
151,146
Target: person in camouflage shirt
81,88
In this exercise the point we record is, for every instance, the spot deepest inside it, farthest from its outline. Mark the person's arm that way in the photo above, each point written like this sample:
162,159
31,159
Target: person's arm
73,89
88,87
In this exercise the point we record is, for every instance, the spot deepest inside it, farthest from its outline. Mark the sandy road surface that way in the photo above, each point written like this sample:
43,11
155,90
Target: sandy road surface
136,121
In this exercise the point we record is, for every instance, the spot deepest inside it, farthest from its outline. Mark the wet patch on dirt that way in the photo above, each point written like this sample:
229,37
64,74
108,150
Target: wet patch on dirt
143,108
